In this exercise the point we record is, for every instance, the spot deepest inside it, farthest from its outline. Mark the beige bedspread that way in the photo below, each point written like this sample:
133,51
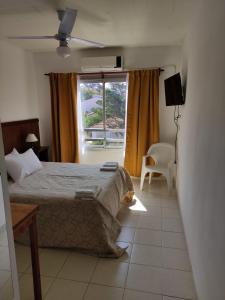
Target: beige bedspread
66,221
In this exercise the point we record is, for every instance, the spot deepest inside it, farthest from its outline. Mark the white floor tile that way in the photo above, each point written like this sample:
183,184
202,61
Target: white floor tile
151,200
178,284
170,203
135,295
126,256
110,273
144,278
126,235
153,210
169,212
128,219
100,292
26,286
148,237
78,267
171,224
156,186
137,208
150,223
176,259
51,261
173,240
146,255
67,290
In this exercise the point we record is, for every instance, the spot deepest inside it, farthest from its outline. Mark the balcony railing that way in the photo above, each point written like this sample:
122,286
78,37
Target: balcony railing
104,138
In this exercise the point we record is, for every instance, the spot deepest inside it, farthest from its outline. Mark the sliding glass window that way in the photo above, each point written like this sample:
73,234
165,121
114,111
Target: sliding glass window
103,106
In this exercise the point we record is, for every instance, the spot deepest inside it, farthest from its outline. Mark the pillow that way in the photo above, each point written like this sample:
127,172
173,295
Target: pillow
14,152
22,165
31,161
15,169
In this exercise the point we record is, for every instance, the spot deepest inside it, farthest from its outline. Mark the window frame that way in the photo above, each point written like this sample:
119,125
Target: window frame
103,80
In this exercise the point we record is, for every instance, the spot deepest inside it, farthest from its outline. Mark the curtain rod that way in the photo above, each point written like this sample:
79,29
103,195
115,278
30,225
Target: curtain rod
109,73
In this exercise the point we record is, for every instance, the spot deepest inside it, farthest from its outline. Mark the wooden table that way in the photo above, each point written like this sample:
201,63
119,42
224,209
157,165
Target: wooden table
24,217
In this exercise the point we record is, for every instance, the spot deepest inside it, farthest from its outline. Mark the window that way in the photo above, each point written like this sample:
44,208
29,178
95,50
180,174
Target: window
103,105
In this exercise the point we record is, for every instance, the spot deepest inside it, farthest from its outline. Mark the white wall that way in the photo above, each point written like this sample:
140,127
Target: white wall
17,85
201,171
17,91
133,58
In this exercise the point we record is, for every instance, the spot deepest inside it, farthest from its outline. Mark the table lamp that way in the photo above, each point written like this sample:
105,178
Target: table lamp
31,140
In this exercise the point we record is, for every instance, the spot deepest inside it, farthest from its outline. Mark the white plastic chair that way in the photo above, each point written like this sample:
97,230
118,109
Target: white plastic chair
163,155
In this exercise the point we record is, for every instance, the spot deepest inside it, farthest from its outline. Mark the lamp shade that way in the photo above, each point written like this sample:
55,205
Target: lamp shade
31,138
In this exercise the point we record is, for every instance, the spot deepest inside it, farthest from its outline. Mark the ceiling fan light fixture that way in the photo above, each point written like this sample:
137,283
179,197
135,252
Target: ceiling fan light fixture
63,51
67,19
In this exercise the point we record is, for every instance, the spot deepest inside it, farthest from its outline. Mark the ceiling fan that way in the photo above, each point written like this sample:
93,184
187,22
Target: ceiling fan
67,19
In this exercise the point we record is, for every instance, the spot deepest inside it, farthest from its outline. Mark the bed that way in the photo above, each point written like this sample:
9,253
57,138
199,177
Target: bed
65,220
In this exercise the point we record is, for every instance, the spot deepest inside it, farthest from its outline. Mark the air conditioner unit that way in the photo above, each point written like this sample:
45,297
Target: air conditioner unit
102,64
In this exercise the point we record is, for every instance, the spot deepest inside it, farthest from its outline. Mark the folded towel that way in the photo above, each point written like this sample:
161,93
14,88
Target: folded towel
88,192
86,198
111,164
108,168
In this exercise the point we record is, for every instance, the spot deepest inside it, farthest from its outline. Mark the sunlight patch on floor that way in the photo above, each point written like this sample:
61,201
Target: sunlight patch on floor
137,206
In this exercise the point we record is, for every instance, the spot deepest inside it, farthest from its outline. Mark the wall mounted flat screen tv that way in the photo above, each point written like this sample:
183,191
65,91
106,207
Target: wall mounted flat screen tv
173,90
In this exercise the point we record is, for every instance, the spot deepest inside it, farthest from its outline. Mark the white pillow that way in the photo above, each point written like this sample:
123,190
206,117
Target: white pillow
14,152
31,161
15,169
22,165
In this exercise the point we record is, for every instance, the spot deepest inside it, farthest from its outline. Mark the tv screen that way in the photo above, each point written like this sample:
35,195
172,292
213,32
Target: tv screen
173,90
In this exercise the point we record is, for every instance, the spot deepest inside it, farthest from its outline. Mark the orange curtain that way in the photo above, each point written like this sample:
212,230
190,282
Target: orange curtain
64,117
142,117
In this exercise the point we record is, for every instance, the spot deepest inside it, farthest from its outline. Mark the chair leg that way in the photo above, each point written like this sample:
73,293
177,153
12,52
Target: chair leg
150,178
143,173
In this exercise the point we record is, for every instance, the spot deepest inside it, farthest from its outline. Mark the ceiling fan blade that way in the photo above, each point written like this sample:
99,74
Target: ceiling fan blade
87,42
67,22
31,37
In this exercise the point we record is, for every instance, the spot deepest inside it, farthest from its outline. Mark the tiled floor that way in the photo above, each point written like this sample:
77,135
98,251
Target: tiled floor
155,267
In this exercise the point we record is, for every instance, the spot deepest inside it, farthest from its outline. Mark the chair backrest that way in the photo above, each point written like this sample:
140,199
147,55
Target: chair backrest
162,153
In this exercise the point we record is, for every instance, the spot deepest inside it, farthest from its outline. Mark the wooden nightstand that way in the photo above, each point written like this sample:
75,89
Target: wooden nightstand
42,153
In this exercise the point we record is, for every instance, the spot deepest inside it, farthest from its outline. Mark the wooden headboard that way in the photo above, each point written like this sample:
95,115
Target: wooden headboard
14,134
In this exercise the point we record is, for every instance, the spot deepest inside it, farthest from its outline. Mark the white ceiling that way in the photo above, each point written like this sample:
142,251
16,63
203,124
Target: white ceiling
131,23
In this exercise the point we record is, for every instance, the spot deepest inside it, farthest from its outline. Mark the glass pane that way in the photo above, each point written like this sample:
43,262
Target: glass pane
92,104
92,112
115,137
115,107
94,136
95,143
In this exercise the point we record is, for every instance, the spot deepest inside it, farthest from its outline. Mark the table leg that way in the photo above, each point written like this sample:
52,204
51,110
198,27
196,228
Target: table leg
35,259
